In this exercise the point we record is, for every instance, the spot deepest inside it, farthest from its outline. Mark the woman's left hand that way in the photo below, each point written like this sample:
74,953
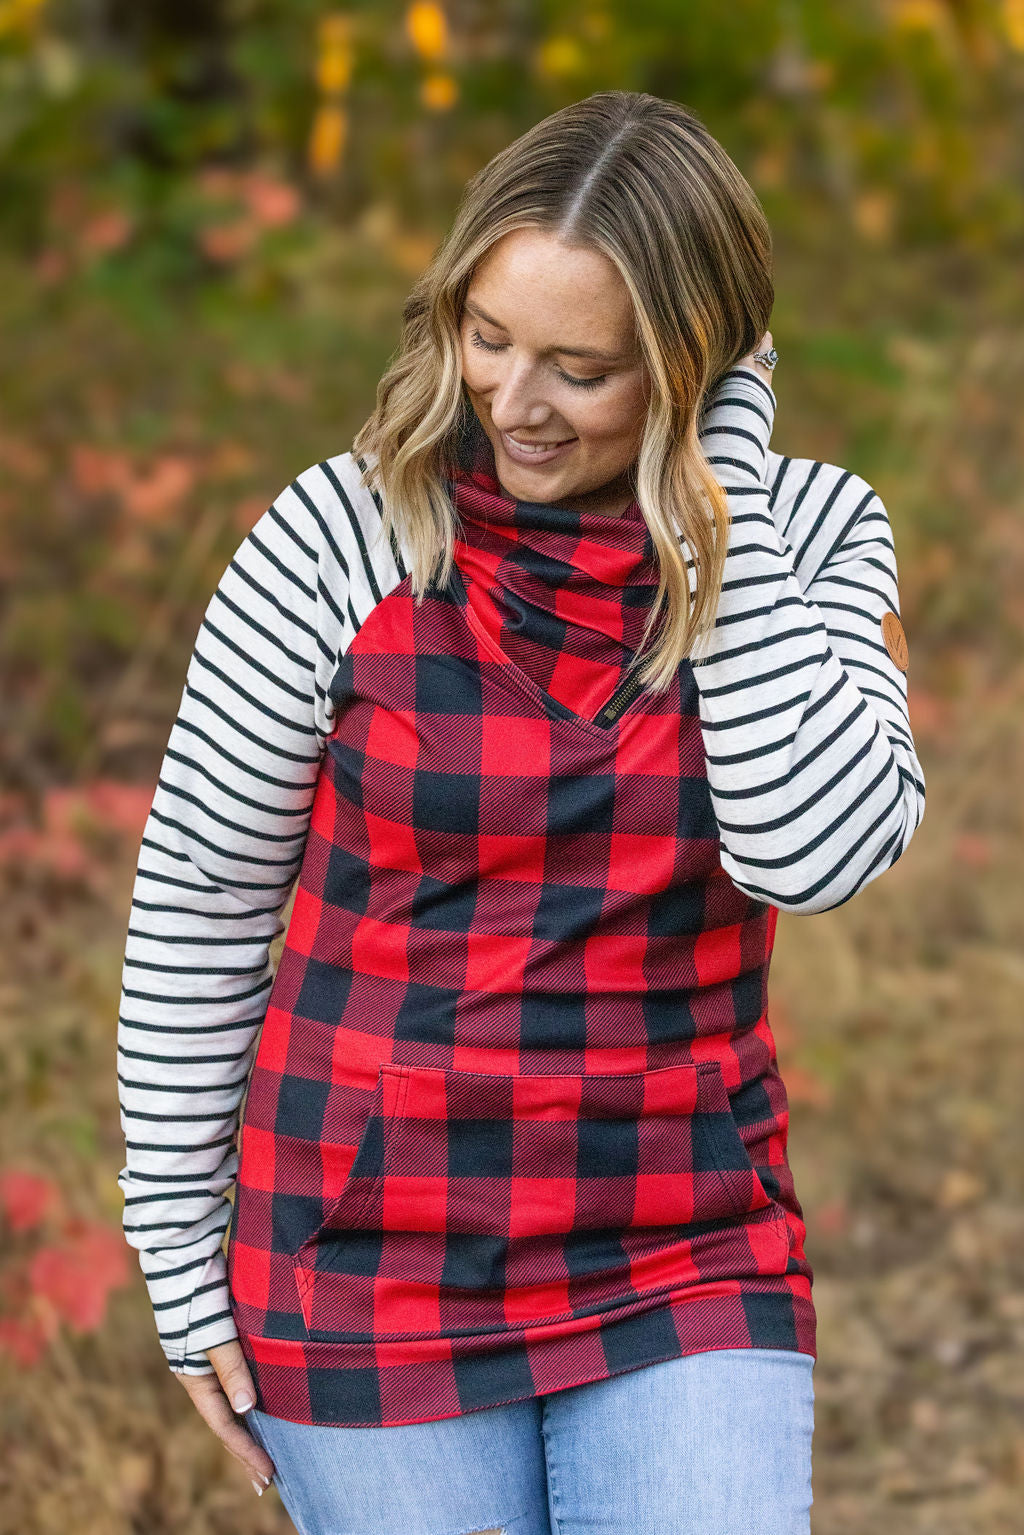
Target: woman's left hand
764,345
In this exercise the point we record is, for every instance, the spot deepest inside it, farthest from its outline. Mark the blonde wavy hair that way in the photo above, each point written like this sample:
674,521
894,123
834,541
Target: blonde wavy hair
642,180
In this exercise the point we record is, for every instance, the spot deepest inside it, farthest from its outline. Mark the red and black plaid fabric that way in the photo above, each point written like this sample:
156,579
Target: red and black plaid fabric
562,598
515,1121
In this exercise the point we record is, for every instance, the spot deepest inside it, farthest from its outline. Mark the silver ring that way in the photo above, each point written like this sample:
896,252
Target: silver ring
768,358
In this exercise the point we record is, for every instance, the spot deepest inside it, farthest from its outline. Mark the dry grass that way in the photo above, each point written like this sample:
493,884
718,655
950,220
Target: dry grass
910,1165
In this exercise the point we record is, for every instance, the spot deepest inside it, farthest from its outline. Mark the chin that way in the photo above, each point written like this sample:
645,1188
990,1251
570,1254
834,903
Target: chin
534,487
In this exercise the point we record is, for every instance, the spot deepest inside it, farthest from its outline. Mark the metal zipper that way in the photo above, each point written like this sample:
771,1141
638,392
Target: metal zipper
618,701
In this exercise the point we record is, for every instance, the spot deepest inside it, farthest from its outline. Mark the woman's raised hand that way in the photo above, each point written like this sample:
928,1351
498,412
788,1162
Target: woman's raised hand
220,1400
764,345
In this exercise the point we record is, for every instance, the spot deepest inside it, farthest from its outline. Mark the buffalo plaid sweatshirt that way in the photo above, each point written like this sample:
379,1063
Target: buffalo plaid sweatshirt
513,1118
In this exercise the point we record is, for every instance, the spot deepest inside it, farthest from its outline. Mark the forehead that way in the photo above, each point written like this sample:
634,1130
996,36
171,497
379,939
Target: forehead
545,291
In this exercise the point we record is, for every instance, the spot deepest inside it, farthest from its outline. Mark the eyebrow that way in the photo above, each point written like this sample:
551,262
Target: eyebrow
568,351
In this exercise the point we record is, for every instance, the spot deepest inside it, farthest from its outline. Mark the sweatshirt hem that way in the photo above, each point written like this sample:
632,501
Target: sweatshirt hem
377,1384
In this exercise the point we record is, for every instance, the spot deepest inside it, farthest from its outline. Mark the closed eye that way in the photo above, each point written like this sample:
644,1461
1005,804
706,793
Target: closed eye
577,383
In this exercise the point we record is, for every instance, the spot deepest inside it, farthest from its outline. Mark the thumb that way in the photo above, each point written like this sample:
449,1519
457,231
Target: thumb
233,1373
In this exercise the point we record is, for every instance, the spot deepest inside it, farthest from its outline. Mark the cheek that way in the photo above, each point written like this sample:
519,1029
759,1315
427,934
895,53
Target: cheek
476,371
613,423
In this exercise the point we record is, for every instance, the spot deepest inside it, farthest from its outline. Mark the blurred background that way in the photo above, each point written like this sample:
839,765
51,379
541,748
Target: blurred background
210,214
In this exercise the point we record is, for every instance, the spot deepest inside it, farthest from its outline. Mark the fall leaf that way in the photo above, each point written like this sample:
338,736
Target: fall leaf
20,844
972,849
229,242
51,266
76,1275
26,1198
121,806
107,231
96,471
833,1217
272,203
802,1086
248,512
151,495
929,714
22,458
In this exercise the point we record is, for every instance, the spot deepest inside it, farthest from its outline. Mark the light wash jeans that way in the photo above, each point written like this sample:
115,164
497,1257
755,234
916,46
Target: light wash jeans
717,1443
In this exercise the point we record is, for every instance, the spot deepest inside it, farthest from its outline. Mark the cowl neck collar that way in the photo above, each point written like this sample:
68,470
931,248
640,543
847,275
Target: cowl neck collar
564,594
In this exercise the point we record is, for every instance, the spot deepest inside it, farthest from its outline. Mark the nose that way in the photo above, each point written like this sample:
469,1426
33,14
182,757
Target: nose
517,405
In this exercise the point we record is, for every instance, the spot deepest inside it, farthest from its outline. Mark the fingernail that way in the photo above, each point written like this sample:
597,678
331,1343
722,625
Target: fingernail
242,1402
258,1488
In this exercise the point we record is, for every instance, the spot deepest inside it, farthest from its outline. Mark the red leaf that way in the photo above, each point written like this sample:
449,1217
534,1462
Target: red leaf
107,231
271,202
26,1198
96,471
833,1217
76,1276
802,1086
153,494
123,806
973,849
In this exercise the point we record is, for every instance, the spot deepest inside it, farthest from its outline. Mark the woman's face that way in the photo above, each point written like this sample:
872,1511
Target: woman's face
550,356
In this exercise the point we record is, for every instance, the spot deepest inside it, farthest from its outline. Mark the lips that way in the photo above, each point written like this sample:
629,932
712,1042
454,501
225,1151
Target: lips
542,446
535,453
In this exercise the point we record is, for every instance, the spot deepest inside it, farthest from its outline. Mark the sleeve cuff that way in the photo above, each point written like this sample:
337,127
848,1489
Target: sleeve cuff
743,374
736,427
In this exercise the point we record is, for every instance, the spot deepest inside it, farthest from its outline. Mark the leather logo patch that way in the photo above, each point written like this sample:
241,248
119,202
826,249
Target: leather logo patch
895,640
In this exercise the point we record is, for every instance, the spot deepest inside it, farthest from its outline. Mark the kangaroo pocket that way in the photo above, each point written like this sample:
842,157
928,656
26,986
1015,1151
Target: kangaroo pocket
481,1201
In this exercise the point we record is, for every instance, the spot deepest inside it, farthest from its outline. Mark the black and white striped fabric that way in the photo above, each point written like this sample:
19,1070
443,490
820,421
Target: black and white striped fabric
814,778
811,763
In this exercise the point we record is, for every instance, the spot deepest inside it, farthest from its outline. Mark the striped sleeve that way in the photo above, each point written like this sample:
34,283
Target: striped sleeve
220,850
811,763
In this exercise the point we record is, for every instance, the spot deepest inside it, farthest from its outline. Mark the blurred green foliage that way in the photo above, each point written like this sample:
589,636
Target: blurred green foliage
904,114
210,212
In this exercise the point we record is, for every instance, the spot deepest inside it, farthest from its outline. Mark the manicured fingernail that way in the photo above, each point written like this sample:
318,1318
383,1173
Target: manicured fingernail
242,1402
258,1488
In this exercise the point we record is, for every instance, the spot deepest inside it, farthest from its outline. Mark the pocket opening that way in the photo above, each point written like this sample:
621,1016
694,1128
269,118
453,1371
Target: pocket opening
516,1200
725,1145
375,1150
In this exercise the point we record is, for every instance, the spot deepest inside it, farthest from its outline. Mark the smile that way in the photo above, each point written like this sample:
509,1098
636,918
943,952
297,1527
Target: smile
534,452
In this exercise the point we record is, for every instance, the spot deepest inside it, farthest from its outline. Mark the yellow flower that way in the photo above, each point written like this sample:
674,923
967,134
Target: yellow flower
334,69
560,56
923,15
334,29
439,92
18,15
873,214
427,28
1013,21
327,138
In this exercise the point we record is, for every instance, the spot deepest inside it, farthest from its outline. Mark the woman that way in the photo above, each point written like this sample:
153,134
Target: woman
552,692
